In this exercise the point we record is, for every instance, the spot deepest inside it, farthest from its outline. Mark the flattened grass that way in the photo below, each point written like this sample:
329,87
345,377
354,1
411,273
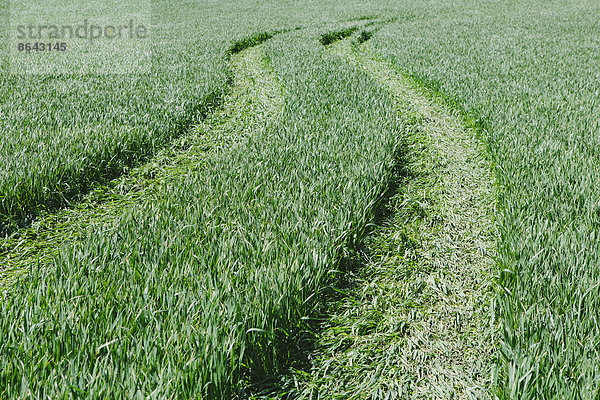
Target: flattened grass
414,320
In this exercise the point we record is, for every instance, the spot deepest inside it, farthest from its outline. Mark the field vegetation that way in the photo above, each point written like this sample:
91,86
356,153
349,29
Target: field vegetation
63,134
178,234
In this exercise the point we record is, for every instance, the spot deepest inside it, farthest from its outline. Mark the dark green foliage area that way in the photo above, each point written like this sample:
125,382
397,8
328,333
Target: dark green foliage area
330,37
252,40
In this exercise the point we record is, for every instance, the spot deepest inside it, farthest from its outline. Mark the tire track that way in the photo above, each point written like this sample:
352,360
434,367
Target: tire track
417,321
255,99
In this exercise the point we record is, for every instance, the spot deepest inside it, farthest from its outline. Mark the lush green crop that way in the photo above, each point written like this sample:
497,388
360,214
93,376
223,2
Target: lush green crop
61,134
207,274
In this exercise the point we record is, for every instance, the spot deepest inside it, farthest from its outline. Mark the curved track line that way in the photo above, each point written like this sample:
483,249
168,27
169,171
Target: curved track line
254,100
426,289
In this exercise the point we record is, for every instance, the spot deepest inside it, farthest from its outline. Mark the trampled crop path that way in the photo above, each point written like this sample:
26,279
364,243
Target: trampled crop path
416,321
253,101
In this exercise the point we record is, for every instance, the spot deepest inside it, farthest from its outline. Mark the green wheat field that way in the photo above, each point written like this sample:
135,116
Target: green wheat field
259,199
